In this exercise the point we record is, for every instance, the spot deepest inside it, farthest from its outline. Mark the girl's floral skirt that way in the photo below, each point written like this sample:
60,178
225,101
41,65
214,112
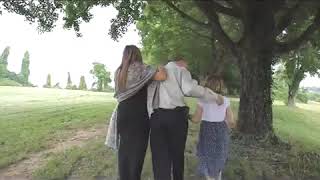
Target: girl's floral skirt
212,148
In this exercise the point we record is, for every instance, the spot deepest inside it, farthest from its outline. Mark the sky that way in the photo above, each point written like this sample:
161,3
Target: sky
61,51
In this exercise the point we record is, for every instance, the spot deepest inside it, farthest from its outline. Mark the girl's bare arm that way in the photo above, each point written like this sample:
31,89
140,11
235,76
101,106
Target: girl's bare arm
197,115
229,118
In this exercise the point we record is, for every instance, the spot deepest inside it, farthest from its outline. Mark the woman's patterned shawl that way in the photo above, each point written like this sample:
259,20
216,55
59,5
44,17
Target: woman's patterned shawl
139,75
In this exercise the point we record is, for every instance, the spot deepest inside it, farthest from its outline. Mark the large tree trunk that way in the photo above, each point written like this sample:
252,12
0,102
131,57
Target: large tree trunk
255,111
292,93
294,87
291,99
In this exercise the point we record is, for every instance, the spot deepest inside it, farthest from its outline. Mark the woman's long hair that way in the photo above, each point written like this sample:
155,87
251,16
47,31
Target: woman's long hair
131,54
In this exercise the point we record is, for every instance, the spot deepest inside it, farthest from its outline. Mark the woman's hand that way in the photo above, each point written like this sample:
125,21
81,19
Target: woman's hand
161,74
220,100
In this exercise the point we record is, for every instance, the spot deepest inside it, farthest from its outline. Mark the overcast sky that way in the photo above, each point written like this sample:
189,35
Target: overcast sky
60,51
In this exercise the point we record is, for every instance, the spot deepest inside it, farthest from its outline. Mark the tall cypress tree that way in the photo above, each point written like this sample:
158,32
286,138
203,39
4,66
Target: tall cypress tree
4,62
25,72
48,83
82,84
69,82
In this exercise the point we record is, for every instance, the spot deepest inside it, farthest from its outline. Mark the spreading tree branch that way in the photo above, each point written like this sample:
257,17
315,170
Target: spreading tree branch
197,33
186,16
304,37
286,20
233,4
225,10
207,8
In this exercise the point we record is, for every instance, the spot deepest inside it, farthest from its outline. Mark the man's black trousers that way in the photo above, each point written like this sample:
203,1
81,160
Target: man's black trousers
169,129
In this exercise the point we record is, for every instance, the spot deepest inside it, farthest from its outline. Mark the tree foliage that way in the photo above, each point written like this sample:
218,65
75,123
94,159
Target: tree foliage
82,84
281,88
25,72
74,87
301,61
4,62
45,13
69,82
23,77
297,65
166,35
48,82
101,76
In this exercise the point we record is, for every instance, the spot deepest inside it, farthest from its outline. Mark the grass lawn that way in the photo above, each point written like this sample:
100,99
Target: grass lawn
31,119
299,126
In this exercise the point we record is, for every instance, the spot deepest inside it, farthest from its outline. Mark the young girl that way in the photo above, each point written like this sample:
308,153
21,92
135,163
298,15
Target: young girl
212,148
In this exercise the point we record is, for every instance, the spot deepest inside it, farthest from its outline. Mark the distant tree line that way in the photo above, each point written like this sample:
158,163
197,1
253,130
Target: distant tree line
101,80
314,89
21,78
7,78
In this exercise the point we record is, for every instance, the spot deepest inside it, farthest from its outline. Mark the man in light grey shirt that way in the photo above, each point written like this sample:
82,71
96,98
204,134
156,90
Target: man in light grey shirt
169,118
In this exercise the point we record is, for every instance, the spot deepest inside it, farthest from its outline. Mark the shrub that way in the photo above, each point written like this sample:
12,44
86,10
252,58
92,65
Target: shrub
302,96
314,97
74,87
8,82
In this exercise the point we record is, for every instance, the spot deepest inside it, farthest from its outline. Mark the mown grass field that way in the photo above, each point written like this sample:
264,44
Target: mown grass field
32,120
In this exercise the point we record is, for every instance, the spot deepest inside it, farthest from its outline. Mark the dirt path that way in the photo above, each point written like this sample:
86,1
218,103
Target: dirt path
22,170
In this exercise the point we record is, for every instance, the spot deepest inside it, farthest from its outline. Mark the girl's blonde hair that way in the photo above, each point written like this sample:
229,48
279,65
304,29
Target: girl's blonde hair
215,83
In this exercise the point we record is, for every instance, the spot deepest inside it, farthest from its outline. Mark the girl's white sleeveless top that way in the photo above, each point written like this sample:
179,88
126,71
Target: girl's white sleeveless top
212,112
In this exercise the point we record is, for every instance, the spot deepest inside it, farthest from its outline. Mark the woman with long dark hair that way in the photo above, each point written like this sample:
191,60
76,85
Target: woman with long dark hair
132,79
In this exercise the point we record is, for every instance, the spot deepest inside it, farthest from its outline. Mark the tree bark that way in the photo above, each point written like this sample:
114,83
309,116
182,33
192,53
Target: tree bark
291,99
292,93
257,51
255,111
294,87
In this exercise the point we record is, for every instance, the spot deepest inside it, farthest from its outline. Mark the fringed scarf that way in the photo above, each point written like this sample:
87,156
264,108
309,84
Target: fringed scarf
139,75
